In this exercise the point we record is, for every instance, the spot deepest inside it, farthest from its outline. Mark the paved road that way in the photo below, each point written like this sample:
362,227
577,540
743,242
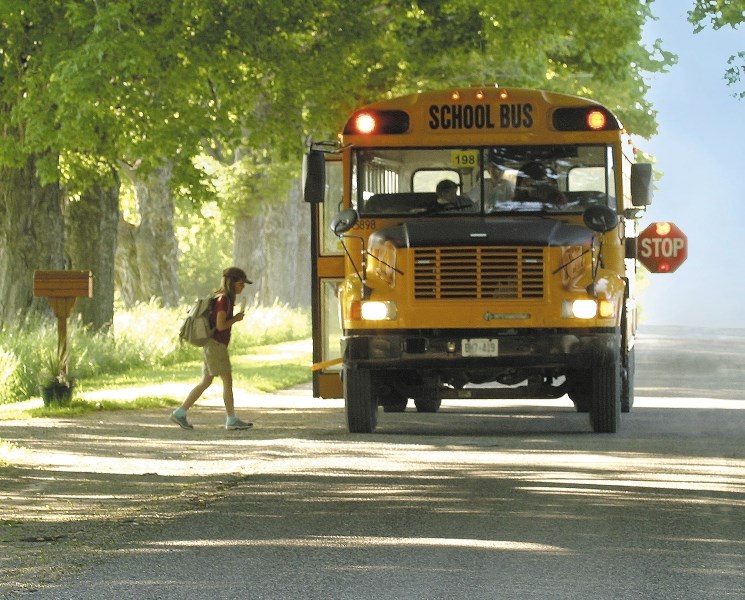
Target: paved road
481,501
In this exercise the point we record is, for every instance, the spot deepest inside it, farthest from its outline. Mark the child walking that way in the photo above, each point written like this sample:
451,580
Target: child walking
216,361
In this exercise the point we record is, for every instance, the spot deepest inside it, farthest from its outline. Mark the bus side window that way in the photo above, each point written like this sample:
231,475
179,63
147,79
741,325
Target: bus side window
586,186
426,180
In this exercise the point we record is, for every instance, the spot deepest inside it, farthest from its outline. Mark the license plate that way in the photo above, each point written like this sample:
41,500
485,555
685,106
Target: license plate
479,347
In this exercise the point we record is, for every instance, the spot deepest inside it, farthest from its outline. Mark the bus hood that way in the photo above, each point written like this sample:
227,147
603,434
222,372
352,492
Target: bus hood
508,231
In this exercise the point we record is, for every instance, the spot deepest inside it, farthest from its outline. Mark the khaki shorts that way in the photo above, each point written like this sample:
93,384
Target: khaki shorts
216,359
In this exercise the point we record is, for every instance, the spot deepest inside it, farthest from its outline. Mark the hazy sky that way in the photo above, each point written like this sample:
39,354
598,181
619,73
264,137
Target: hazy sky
700,148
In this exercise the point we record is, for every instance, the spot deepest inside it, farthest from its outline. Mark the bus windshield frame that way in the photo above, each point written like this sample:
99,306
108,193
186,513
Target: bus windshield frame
527,179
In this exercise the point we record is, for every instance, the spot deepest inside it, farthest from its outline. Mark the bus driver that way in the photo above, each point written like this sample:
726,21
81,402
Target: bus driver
496,188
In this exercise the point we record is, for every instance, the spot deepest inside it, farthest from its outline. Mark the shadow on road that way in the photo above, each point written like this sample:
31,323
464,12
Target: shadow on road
499,477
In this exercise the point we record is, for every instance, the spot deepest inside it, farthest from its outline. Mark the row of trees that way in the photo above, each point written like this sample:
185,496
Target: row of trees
177,103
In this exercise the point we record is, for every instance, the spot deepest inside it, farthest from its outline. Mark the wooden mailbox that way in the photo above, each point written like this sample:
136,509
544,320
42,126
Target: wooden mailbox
61,289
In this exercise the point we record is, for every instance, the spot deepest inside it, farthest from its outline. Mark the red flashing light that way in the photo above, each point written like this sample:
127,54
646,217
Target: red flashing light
584,118
365,123
596,120
663,267
377,122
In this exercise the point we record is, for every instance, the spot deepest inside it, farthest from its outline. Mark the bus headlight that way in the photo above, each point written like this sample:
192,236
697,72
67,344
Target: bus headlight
378,311
579,309
588,309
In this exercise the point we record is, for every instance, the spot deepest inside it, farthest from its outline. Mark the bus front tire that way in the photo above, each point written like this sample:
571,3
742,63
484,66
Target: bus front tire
605,412
359,402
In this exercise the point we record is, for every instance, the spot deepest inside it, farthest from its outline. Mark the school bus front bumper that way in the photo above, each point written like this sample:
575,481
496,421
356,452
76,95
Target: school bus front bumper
454,349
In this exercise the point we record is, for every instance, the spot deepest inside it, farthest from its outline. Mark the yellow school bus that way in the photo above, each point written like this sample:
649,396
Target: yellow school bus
476,243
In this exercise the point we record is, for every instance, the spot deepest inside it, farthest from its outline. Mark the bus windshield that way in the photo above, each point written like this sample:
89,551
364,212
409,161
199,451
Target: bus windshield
561,179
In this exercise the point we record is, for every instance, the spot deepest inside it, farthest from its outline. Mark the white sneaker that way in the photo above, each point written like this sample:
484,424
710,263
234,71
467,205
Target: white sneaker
181,421
236,423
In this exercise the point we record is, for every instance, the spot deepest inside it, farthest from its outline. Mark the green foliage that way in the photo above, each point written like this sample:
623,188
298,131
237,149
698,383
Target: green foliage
718,14
52,368
734,74
561,46
11,373
23,348
244,184
80,407
205,244
144,337
92,86
265,325
270,378
130,81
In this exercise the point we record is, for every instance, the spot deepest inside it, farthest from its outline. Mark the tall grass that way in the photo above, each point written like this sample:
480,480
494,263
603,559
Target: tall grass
146,335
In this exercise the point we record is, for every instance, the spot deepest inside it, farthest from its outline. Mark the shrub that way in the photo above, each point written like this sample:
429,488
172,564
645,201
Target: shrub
146,335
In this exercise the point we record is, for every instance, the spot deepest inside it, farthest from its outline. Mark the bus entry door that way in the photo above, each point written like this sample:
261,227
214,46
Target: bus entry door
327,258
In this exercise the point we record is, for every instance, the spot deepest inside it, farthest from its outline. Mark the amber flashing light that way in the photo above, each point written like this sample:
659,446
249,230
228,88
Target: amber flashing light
663,228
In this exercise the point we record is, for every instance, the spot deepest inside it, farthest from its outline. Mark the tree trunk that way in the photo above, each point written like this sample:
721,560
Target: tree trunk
91,246
273,247
147,258
31,238
126,274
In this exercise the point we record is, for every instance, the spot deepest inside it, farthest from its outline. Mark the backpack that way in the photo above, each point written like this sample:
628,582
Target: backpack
196,328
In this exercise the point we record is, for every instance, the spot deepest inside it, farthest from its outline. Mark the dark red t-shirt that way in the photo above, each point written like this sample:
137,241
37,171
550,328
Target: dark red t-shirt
222,303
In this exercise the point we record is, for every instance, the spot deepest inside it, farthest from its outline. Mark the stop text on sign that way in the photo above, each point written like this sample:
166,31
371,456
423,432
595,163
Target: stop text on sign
665,247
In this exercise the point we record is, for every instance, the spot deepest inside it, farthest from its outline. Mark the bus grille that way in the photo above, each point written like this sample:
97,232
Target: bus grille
479,272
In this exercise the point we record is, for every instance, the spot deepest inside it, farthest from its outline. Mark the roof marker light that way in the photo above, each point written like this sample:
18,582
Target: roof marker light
455,95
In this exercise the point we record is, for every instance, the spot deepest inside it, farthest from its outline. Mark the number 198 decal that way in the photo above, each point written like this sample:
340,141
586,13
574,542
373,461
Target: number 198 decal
464,158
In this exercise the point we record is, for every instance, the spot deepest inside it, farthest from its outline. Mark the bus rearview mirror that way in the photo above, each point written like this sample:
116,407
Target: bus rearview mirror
314,177
641,184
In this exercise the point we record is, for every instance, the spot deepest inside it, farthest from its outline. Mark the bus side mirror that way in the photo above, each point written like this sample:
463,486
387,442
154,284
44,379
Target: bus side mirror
600,218
314,176
344,221
641,184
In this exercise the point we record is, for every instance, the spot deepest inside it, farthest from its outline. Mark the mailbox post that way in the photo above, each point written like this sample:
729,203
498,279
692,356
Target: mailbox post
61,289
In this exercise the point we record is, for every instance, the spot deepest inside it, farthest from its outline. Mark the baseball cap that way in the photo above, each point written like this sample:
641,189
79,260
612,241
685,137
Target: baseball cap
237,274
